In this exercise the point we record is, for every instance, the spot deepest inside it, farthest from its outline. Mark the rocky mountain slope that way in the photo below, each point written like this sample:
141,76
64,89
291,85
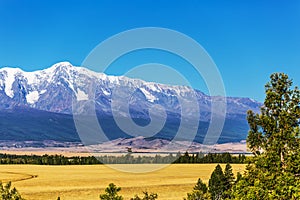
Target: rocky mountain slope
50,92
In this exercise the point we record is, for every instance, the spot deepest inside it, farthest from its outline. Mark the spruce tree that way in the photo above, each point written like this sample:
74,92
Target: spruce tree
229,176
147,196
229,180
8,193
201,186
200,192
111,193
274,141
217,184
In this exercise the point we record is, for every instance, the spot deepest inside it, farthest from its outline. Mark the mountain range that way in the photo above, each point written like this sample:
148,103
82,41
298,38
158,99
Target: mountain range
37,106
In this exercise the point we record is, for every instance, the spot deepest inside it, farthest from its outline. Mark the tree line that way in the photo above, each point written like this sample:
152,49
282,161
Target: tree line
124,159
219,185
47,160
211,158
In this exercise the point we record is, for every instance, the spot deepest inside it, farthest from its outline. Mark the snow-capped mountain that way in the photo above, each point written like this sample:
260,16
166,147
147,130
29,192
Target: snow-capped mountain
45,98
52,90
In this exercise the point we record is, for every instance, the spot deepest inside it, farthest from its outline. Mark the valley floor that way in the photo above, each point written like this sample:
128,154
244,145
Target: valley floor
82,182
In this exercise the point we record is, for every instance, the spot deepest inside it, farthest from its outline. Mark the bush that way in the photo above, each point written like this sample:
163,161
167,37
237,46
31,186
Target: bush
8,193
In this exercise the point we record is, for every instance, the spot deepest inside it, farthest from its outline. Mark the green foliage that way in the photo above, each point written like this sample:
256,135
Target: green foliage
229,180
201,186
147,196
274,140
200,192
47,160
8,193
217,184
238,177
210,158
197,195
111,193
229,176
128,159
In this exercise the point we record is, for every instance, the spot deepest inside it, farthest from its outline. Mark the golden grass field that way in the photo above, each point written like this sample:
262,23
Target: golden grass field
86,182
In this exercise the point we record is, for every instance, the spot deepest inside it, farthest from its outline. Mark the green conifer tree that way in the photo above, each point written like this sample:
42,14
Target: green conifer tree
8,193
217,184
200,192
147,196
274,140
111,193
229,176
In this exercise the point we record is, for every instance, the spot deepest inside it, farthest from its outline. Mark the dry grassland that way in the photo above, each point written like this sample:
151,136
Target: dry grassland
86,182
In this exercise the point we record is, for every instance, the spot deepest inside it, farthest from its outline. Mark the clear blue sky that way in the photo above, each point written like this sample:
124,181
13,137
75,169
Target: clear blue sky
247,39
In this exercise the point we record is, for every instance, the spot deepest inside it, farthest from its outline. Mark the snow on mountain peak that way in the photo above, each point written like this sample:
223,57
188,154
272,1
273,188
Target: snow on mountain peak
32,97
52,89
61,65
9,77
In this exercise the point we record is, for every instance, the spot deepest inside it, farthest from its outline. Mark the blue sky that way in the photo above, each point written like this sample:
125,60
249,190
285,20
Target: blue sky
247,39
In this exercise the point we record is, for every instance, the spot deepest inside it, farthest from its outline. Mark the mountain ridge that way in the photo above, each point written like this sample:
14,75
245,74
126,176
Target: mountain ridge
53,90
28,88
